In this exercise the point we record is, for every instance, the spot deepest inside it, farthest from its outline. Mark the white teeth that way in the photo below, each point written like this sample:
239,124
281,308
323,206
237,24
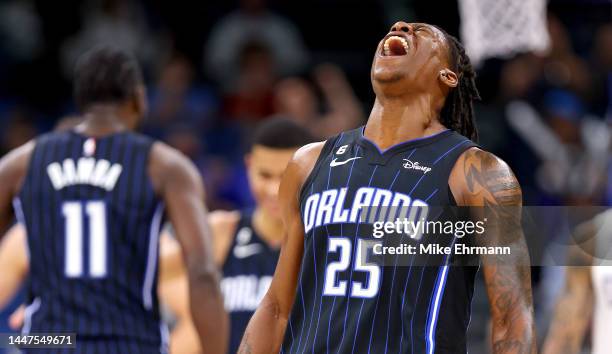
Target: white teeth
401,39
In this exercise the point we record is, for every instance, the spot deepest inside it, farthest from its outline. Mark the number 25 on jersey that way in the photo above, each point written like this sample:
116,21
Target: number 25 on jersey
334,287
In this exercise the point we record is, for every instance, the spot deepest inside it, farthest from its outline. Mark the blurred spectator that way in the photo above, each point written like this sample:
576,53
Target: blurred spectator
518,77
115,22
250,99
252,22
296,98
18,128
562,67
177,100
21,37
602,67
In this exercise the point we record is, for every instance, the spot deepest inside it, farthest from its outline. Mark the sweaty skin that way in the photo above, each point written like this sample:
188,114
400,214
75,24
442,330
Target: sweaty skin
410,93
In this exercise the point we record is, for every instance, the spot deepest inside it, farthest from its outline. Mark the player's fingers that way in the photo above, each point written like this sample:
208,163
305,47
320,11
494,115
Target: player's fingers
16,319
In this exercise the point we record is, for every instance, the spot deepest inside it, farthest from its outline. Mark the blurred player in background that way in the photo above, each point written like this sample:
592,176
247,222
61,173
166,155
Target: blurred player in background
247,243
414,151
92,200
587,297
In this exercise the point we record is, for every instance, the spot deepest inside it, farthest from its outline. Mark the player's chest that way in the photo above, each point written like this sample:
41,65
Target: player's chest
355,173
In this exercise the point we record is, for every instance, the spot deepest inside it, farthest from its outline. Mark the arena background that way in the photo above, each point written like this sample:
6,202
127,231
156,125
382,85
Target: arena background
211,79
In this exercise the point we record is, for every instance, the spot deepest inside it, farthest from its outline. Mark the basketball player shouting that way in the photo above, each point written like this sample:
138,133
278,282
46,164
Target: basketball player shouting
414,151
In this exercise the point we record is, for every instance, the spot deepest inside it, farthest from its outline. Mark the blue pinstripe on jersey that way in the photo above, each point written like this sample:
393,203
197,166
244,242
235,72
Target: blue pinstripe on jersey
107,313
411,299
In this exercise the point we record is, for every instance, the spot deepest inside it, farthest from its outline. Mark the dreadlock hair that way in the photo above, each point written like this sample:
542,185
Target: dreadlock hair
458,110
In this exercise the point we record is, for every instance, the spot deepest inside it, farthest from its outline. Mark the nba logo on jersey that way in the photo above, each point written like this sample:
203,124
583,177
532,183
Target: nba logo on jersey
91,214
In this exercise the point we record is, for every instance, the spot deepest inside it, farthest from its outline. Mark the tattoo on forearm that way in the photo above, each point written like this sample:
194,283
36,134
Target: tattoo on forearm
509,346
491,184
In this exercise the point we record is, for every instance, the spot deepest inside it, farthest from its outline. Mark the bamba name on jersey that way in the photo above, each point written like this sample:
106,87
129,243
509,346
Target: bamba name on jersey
87,170
369,205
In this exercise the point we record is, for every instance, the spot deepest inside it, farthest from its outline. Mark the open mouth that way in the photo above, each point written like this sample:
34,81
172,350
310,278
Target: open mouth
395,46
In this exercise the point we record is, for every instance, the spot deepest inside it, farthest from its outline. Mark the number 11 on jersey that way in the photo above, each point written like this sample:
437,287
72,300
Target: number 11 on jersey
74,246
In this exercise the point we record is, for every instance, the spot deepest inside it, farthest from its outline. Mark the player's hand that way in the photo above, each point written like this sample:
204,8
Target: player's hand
16,319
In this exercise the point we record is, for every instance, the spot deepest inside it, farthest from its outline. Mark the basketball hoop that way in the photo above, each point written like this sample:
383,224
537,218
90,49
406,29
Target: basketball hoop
502,28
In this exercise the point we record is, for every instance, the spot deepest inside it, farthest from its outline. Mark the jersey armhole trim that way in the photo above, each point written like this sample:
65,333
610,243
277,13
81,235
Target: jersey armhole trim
329,145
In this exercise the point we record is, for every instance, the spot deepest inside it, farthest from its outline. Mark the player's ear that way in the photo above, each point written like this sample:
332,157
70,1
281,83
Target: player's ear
140,100
448,77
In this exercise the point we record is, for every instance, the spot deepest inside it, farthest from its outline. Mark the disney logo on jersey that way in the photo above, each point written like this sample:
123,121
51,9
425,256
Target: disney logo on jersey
410,165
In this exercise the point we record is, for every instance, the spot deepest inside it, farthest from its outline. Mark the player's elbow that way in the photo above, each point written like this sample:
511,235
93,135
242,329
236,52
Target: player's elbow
517,324
271,305
204,275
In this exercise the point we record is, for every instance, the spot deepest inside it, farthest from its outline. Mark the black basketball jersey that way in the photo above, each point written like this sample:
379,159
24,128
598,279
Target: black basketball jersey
93,222
247,274
346,303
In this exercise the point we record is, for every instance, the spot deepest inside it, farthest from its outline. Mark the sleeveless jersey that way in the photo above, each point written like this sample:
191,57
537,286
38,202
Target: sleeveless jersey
92,221
247,274
345,303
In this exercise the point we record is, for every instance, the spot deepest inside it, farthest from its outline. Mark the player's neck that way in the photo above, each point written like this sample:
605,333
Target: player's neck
393,121
102,120
269,228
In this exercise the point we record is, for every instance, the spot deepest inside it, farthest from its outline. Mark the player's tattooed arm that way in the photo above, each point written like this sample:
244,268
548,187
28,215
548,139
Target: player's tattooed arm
266,329
575,305
486,184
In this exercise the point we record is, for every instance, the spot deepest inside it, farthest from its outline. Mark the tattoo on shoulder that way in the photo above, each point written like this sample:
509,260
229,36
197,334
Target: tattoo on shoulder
490,179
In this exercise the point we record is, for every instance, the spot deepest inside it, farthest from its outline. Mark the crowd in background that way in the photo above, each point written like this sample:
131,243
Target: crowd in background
254,62
215,70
